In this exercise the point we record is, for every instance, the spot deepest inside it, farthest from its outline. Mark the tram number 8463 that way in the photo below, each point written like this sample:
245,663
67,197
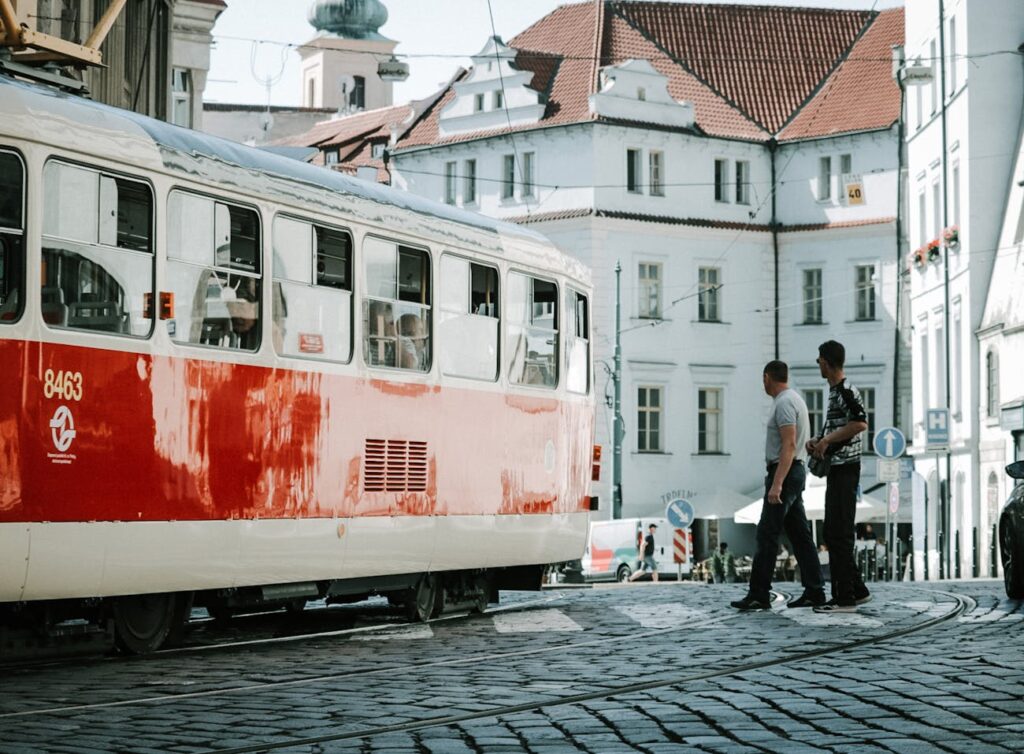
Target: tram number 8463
62,384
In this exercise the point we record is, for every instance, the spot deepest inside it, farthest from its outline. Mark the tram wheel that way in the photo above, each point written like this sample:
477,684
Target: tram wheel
1011,542
481,594
296,606
143,622
421,599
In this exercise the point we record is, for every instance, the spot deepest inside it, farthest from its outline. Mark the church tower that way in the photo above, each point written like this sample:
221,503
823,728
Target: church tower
348,65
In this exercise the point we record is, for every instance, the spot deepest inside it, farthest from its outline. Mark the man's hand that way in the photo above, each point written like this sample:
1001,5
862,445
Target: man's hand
775,494
818,449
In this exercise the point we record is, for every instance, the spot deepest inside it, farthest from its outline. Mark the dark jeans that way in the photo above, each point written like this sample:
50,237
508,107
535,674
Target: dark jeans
840,512
788,516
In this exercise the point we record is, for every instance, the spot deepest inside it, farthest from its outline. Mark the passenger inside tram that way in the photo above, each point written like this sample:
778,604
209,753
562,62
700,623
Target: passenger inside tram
380,334
412,338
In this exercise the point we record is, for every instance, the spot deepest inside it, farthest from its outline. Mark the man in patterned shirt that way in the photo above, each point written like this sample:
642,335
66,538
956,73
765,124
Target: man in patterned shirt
840,442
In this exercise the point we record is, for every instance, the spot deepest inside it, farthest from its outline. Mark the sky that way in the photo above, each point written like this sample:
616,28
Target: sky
251,38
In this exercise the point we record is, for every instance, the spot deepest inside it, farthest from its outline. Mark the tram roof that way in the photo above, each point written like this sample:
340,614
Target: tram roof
34,98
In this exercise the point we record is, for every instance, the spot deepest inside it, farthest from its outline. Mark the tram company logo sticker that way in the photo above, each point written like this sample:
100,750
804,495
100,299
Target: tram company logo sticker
62,430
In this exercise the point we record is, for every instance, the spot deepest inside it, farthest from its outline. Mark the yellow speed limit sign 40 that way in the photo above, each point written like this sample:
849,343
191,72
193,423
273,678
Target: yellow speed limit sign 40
854,189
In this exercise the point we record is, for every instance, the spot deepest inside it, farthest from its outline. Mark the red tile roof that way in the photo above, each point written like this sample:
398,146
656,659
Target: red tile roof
751,71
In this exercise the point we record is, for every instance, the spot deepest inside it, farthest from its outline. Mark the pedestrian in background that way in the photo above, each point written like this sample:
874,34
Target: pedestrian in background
783,508
840,445
723,565
647,556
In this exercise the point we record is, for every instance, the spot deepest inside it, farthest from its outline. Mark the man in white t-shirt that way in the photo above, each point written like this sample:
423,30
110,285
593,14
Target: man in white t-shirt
783,509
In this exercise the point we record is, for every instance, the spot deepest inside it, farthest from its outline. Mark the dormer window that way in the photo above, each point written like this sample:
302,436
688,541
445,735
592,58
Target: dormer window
478,103
641,94
377,151
499,100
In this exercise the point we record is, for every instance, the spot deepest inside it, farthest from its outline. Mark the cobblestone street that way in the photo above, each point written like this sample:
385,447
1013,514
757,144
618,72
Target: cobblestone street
652,668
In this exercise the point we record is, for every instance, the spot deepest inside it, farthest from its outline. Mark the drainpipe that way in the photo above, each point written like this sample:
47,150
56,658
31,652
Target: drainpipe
773,146
946,507
898,63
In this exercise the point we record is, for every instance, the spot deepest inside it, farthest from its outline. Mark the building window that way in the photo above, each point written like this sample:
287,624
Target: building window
955,178
922,219
992,381
919,101
742,182
650,290
499,100
934,85
815,401
936,210
926,376
357,99
656,163
311,93
478,103
824,178
940,359
648,420
865,292
331,157
633,171
641,94
508,176
812,297
469,182
528,174
957,362
867,399
845,164
709,420
993,498
721,179
952,56
449,182
377,151
181,96
709,280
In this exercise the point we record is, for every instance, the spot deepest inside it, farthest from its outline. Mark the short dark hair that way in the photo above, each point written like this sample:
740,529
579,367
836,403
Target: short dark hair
833,353
652,526
723,546
777,370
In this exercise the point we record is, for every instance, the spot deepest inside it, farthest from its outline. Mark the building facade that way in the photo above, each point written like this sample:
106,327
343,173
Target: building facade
752,207
961,134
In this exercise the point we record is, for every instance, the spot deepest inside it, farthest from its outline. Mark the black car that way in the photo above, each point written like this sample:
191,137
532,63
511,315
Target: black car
1011,535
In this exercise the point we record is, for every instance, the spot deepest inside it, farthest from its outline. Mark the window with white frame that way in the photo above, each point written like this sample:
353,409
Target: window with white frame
933,55
958,369
449,182
649,290
709,283
865,291
633,171
992,382
721,180
181,97
499,100
845,164
824,178
936,210
709,420
926,371
478,103
508,176
656,165
955,178
939,339
867,399
812,296
469,182
922,219
953,62
815,400
648,419
742,182
528,161
918,101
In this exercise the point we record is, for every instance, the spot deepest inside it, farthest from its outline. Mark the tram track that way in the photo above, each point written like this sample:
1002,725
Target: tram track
961,604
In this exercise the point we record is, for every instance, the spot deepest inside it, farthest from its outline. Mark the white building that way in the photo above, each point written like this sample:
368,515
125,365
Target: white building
192,26
625,133
963,129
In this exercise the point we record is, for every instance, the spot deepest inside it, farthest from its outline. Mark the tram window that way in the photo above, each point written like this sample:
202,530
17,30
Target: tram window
213,267
577,347
12,243
97,263
467,320
397,306
312,302
532,311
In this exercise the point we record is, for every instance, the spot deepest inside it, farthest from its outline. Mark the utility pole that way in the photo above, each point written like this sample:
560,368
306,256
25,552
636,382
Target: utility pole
617,430
944,517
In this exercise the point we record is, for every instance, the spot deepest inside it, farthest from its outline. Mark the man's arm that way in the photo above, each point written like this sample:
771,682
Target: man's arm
787,433
855,424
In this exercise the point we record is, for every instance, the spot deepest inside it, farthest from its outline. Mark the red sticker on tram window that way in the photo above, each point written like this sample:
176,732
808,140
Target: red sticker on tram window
311,343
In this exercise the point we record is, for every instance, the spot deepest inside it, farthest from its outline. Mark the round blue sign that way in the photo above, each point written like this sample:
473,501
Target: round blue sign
889,443
680,513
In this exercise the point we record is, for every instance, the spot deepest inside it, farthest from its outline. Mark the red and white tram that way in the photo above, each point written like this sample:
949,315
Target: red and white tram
230,376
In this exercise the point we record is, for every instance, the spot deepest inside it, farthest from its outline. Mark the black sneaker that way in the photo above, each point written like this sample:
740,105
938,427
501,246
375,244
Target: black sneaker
863,599
805,600
834,606
751,603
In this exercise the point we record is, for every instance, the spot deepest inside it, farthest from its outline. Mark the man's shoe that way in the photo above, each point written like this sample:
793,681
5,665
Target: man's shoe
863,599
751,603
805,600
834,606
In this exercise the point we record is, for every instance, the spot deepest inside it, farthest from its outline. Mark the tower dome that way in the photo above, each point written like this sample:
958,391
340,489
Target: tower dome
351,19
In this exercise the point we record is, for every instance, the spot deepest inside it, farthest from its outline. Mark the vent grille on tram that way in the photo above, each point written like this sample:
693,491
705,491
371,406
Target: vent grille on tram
395,466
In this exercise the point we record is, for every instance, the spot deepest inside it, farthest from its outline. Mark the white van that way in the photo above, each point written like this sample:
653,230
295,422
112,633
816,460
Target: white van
612,549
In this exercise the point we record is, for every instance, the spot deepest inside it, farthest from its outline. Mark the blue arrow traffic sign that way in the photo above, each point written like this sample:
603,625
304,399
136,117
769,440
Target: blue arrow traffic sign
680,513
890,443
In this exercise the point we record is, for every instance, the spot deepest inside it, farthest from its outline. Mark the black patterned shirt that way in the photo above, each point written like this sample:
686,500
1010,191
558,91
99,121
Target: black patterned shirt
844,406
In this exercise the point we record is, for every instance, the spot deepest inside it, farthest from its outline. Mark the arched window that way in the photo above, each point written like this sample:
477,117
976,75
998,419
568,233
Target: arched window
992,374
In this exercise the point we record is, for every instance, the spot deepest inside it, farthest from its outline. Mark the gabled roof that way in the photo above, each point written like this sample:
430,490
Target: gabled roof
752,72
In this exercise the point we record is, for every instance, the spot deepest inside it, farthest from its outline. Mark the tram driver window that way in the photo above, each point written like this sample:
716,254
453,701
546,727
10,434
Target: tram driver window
97,266
577,343
468,319
532,345
312,292
397,306
213,268
12,237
